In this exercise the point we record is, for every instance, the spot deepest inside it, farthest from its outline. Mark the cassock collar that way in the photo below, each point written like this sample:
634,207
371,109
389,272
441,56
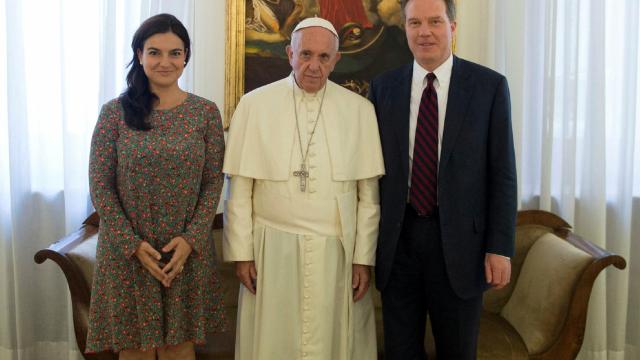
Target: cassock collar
300,93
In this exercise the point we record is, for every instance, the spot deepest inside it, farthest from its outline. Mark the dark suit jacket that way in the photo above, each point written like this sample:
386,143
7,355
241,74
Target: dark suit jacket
476,176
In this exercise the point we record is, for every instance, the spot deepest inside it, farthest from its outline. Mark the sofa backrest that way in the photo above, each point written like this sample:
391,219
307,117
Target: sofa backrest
540,301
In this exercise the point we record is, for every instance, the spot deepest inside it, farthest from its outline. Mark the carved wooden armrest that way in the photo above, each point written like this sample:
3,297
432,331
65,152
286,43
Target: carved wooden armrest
78,287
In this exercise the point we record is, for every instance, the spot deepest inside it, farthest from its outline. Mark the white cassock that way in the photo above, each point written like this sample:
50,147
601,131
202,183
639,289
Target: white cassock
303,243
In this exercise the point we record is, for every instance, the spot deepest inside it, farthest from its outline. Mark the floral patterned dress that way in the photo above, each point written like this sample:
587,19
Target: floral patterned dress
155,185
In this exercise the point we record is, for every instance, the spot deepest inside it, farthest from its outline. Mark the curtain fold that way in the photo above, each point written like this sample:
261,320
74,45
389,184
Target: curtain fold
59,61
572,67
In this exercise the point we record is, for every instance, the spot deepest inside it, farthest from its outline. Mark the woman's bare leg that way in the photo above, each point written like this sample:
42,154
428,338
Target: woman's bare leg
137,355
184,351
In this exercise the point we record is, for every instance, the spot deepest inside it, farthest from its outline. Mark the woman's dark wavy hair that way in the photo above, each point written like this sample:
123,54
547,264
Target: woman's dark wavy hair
137,100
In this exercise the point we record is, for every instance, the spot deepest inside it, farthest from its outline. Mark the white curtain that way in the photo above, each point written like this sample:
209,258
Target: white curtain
573,68
59,61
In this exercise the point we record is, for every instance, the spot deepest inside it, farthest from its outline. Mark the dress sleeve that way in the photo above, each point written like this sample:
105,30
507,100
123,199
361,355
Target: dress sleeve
368,222
103,163
199,228
237,240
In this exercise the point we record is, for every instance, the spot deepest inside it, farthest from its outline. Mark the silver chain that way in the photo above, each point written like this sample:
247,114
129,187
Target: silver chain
315,125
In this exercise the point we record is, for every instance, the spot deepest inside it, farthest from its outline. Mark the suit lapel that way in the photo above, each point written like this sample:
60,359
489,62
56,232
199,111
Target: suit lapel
401,93
460,91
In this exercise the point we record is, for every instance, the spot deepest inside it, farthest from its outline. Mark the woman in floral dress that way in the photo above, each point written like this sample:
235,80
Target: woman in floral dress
155,179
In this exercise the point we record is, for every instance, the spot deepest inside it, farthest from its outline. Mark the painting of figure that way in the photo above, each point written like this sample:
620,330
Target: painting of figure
371,34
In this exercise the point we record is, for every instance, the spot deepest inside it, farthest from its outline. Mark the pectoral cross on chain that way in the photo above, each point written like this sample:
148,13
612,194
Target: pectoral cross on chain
303,174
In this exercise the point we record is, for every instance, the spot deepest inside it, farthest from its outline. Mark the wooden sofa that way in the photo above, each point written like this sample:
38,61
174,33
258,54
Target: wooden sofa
540,315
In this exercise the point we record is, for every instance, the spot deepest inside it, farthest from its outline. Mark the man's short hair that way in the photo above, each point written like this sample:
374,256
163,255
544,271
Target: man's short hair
449,4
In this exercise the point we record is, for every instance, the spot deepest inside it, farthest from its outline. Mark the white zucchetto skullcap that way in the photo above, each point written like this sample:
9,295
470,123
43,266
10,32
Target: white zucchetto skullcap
316,21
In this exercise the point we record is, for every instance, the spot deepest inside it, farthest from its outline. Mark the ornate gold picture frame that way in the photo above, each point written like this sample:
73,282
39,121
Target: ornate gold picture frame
234,57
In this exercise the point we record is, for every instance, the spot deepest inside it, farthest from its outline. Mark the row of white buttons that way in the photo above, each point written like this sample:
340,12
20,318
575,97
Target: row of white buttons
307,273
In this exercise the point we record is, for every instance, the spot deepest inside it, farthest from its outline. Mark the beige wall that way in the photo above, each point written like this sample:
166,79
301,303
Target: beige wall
471,40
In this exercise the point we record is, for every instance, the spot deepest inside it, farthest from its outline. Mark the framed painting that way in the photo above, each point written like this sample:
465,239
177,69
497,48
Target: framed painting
372,40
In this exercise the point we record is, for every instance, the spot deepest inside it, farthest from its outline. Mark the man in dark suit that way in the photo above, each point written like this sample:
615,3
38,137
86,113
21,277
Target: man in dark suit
448,199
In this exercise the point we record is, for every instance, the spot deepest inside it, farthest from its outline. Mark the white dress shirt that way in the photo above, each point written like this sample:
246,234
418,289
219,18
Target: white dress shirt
418,84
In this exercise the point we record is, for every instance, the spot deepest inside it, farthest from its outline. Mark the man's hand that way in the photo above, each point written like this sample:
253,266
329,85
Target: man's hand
246,272
182,250
497,270
360,281
149,258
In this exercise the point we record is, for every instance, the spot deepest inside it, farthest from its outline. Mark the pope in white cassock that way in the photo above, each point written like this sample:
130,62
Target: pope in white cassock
301,215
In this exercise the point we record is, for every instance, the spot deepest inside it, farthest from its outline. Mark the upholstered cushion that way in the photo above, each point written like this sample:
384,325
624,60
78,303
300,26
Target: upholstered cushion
526,236
84,257
499,340
538,306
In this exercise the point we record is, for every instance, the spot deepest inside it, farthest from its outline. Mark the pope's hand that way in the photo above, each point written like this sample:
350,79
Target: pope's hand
246,272
360,281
